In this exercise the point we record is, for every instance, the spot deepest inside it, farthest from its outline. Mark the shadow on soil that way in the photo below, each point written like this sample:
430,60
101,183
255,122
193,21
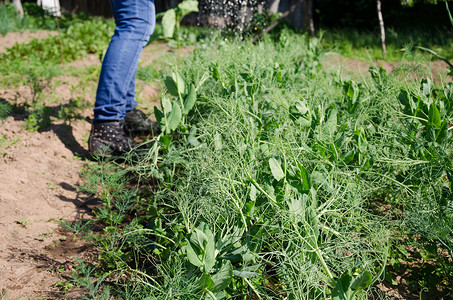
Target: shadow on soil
40,118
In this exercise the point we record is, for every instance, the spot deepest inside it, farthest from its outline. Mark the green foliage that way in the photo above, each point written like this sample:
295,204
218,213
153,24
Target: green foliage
347,285
147,73
78,40
401,43
172,18
262,180
35,18
38,61
38,118
5,110
9,19
173,113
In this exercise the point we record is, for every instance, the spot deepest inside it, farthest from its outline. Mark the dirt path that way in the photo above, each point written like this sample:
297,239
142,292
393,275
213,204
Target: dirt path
39,176
38,180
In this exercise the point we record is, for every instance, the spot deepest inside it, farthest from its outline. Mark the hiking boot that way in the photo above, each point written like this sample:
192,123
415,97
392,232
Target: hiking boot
136,122
108,138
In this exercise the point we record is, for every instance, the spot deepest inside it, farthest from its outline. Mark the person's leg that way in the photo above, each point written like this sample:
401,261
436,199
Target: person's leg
130,96
135,20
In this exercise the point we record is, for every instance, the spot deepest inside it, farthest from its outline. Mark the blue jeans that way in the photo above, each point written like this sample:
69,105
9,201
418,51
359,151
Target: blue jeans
135,20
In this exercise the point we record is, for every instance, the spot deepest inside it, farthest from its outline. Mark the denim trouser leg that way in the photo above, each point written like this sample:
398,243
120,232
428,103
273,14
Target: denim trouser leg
135,20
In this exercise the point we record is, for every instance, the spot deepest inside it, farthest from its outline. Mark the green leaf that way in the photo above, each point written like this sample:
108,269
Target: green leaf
187,7
166,104
223,277
199,239
427,87
434,116
165,140
341,291
247,272
352,92
160,117
253,192
348,157
203,244
209,255
171,86
300,114
276,169
174,118
442,133
304,178
192,139
331,124
193,256
191,97
168,23
362,281
175,84
215,71
248,208
179,82
206,282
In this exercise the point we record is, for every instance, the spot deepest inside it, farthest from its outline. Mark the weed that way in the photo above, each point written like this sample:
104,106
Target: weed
51,186
5,110
82,276
81,227
64,286
147,73
9,19
71,111
23,222
5,144
39,118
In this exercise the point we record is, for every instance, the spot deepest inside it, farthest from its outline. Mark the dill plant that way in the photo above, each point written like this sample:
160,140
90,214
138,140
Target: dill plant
268,186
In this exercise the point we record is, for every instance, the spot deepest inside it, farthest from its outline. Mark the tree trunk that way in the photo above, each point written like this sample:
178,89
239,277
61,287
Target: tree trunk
381,25
305,15
274,6
18,6
311,22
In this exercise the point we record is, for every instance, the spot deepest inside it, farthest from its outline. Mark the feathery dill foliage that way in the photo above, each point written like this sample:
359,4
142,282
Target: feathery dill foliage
264,186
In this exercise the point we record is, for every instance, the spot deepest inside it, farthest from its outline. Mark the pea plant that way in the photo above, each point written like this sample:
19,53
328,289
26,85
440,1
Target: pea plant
263,181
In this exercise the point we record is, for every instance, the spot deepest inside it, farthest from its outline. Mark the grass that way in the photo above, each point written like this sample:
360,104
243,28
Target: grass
35,18
365,45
